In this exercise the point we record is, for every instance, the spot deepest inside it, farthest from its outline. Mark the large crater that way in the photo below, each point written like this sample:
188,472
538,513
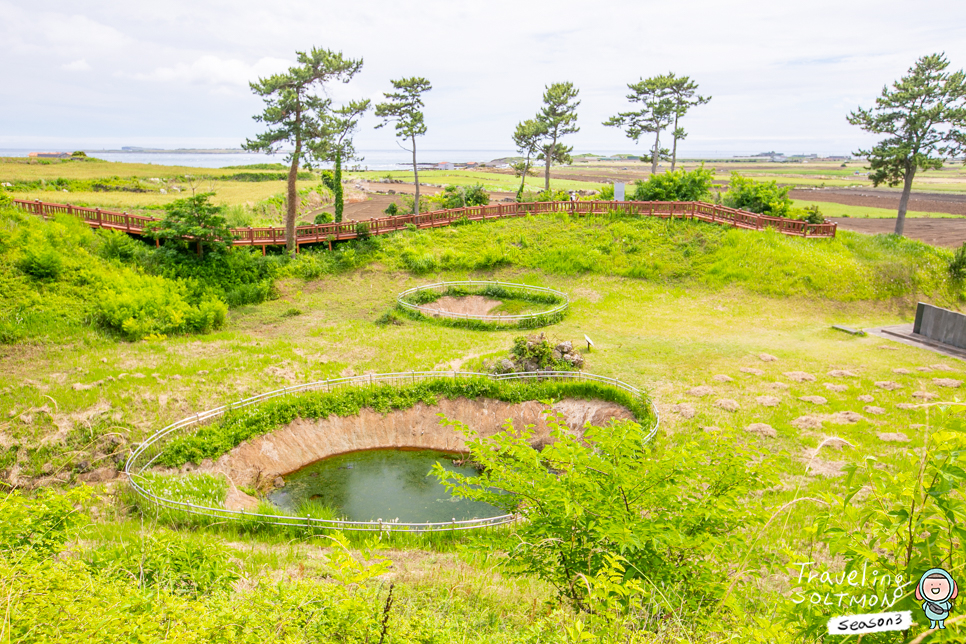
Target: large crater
259,461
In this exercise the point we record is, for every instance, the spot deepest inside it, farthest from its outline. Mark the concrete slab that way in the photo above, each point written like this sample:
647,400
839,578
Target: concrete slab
904,334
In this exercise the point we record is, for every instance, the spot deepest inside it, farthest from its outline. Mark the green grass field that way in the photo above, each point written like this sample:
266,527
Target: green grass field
834,210
725,329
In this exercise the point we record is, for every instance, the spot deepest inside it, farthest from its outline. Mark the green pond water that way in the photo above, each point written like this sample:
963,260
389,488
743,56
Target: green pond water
387,484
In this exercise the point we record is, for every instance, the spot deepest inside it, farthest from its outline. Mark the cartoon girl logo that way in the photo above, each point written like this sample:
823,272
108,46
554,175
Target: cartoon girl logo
936,591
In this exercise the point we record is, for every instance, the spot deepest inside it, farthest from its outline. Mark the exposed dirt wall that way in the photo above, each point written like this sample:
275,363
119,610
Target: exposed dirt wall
259,461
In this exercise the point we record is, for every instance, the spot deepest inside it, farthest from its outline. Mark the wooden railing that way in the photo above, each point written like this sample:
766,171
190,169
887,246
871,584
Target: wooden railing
327,233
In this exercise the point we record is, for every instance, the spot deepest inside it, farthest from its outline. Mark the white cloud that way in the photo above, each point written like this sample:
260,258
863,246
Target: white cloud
79,65
213,70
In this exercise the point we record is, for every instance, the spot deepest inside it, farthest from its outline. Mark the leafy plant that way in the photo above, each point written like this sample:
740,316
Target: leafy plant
675,513
957,265
677,185
763,197
392,209
460,197
194,219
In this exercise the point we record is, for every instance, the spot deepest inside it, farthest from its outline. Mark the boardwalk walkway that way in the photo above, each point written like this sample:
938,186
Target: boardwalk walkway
327,233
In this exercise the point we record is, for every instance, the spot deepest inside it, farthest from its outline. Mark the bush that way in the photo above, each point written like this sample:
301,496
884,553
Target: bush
679,185
957,265
392,210
362,230
606,192
323,218
762,197
5,200
41,263
677,523
545,195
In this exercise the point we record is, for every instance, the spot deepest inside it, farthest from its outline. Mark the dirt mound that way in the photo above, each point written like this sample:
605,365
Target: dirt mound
304,441
468,305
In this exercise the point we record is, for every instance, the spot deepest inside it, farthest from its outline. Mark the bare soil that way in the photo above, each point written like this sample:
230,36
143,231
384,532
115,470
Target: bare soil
952,203
304,441
467,305
938,232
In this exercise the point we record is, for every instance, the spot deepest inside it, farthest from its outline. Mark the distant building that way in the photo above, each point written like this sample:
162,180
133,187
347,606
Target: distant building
445,165
50,155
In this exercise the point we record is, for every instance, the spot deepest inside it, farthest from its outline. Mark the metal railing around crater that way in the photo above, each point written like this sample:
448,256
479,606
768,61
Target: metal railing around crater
146,454
426,309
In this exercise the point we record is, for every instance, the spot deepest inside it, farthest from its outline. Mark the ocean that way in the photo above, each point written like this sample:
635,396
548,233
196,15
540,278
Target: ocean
371,159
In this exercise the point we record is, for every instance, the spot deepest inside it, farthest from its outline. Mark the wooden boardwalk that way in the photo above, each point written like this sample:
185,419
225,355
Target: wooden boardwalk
327,233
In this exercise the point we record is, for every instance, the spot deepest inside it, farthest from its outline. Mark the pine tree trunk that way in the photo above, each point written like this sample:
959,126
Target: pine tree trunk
523,179
416,177
656,152
293,199
904,200
337,187
674,151
546,173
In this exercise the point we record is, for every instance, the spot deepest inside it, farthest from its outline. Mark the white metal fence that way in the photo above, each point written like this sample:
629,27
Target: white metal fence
146,454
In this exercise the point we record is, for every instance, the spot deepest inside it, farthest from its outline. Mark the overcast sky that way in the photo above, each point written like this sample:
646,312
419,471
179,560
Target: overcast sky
783,75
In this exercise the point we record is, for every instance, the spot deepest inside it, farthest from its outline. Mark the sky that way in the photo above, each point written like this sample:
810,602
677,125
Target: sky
782,75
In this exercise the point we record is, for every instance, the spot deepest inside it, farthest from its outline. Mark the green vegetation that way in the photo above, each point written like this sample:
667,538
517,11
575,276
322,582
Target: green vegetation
404,107
513,302
460,197
210,441
676,185
193,220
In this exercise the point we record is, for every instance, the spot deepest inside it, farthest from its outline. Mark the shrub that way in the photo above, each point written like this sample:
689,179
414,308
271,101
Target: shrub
606,192
328,179
5,200
957,265
545,195
677,522
43,263
392,210
679,185
763,197
196,218
362,230
39,525
323,218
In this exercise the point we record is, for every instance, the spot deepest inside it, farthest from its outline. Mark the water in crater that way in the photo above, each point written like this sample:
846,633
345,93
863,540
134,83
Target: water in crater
387,484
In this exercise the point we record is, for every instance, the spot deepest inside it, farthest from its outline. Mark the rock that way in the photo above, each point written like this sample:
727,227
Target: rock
752,371
807,422
82,467
901,371
722,378
278,482
684,410
925,395
924,369
845,417
79,386
906,406
947,382
800,376
700,391
505,365
761,429
815,400
836,388
767,357
842,373
893,437
566,347
832,442
727,404
100,475
767,401
942,367
888,385
866,398
871,409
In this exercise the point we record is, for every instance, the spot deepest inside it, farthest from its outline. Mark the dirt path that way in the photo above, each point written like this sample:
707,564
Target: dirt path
952,203
938,232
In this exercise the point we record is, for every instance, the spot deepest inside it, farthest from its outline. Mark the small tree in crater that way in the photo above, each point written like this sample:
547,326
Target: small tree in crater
193,220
